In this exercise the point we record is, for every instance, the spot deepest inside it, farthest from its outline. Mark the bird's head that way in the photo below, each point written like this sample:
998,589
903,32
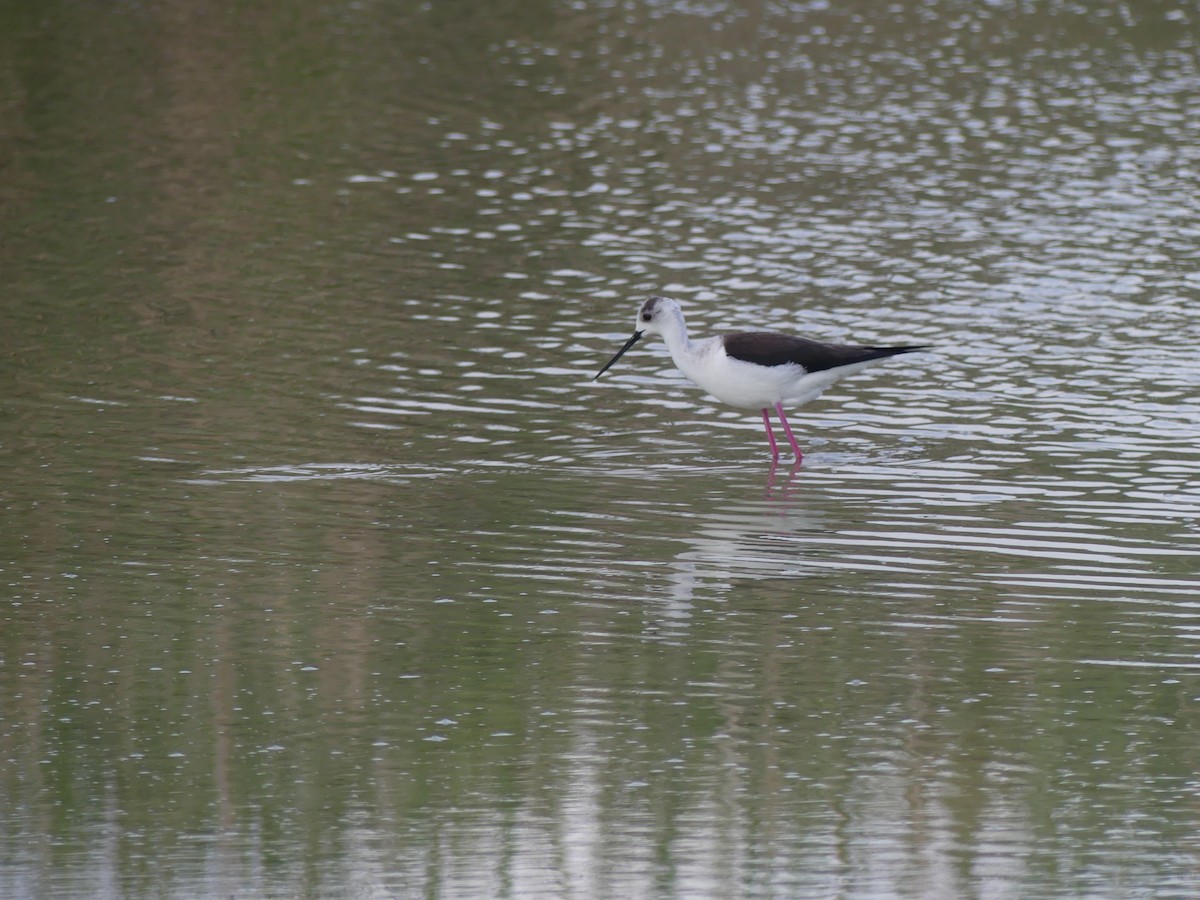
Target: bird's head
652,318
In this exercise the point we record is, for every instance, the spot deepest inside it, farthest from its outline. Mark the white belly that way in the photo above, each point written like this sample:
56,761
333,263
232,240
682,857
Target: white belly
751,386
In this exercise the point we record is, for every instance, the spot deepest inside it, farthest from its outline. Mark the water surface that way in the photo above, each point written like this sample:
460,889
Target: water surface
330,572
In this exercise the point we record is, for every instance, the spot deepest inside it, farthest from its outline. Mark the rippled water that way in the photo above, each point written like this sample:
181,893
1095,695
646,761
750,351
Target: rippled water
331,572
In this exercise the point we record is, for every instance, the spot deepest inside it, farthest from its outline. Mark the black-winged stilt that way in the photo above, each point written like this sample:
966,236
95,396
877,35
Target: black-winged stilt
754,369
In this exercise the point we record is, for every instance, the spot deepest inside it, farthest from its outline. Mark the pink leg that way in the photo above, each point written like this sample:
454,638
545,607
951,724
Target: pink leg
770,435
787,429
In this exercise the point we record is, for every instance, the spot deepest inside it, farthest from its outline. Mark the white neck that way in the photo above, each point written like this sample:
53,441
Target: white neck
675,335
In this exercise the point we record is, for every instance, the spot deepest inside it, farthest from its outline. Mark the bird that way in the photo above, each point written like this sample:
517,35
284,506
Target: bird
754,369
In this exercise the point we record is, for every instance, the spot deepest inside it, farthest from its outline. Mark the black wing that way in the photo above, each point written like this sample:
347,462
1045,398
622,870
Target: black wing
769,348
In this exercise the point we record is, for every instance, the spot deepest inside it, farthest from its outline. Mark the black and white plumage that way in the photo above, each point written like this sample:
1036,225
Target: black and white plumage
756,369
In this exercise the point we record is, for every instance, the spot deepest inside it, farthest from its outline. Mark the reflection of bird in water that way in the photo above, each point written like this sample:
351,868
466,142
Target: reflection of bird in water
740,542
755,369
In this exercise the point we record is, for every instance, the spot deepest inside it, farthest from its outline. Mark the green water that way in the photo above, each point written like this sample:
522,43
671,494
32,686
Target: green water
328,572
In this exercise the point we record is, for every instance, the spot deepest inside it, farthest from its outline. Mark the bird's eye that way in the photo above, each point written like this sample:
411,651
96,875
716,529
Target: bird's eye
646,317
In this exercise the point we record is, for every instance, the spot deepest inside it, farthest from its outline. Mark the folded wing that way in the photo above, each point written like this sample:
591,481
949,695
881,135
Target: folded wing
769,348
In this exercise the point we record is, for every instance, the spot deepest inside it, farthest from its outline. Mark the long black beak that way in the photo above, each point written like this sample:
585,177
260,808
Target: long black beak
637,336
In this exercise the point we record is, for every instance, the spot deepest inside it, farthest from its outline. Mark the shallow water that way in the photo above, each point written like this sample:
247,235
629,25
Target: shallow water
330,572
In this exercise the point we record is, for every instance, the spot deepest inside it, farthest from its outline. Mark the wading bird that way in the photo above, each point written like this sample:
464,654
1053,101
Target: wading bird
754,369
